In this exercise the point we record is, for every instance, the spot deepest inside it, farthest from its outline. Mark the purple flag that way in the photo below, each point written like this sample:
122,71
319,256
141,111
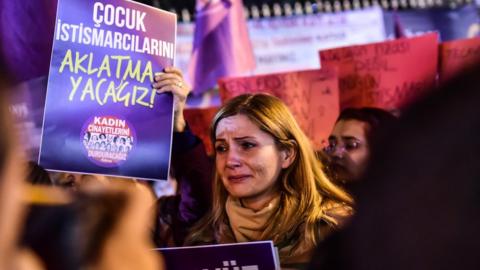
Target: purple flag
26,29
221,45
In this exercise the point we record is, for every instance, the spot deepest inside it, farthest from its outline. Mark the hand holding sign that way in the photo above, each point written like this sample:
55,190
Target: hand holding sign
171,80
100,105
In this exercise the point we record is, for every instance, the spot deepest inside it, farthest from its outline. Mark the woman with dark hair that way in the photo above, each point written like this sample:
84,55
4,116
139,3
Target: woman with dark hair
418,207
268,183
350,141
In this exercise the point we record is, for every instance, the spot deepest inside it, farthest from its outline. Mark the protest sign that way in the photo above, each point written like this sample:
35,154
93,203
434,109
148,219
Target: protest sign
101,113
388,74
311,95
457,55
260,255
199,120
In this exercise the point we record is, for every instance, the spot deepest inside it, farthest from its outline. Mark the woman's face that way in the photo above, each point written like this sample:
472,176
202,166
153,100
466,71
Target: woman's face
247,159
349,149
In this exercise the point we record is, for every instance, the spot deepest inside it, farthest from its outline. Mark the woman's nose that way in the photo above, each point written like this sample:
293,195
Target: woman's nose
233,159
338,151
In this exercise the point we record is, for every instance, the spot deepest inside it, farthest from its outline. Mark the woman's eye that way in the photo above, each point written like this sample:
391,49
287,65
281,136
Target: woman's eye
220,148
351,145
247,145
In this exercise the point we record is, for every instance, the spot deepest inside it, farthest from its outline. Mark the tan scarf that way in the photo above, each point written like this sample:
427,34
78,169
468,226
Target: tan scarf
247,224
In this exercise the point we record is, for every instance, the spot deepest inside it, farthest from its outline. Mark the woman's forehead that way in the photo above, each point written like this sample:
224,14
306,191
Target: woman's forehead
236,123
350,128
239,126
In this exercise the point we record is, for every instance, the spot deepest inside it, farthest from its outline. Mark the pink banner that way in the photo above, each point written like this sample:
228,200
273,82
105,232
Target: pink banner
388,74
458,55
311,95
199,120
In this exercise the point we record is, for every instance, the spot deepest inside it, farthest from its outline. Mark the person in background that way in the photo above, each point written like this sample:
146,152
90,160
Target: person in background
268,183
418,206
350,141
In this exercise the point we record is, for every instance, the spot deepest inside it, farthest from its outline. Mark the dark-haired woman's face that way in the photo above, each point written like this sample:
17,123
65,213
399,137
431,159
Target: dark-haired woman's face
248,160
348,149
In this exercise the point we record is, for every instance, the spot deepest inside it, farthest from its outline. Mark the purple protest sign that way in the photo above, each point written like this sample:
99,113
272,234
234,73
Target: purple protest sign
260,255
101,114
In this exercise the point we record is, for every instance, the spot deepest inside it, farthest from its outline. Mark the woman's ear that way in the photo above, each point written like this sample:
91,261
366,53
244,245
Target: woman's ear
289,154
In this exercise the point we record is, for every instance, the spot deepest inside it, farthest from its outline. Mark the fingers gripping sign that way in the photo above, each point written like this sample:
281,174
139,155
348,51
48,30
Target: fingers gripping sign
171,81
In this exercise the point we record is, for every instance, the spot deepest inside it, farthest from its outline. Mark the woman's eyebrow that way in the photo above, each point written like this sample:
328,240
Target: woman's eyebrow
243,138
350,138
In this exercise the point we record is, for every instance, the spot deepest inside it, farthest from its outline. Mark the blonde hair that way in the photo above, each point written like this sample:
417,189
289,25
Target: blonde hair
305,191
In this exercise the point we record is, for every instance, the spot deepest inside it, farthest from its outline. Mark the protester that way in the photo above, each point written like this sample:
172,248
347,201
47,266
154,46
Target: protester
268,184
92,227
349,143
117,221
418,206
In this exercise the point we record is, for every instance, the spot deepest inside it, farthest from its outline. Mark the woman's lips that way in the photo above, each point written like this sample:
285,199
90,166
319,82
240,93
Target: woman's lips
238,178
